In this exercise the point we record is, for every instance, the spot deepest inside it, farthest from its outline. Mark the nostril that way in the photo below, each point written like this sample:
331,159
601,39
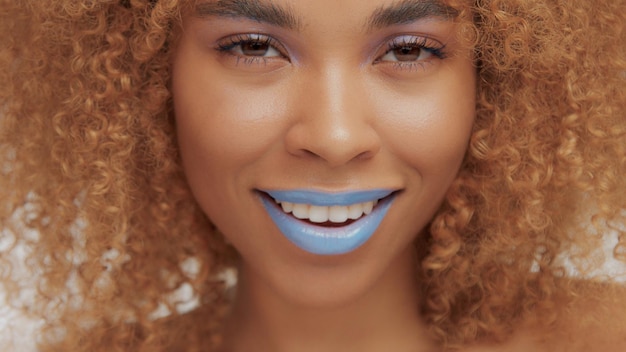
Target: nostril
366,154
309,153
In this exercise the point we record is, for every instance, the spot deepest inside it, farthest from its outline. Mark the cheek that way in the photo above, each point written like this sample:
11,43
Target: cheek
429,129
220,125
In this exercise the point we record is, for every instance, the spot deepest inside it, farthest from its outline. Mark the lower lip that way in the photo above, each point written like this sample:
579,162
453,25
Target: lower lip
323,240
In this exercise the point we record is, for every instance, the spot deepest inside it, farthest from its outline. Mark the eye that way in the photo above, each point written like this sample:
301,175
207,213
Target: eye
408,49
251,46
257,49
406,53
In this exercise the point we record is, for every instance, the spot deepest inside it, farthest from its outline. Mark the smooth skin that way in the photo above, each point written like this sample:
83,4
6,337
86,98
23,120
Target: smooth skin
333,96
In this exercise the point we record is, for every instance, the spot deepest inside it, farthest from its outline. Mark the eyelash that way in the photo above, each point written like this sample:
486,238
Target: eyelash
431,46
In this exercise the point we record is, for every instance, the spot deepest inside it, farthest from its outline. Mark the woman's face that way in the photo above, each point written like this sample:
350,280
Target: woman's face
321,136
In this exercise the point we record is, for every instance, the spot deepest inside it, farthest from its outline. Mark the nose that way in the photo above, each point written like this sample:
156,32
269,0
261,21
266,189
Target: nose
333,121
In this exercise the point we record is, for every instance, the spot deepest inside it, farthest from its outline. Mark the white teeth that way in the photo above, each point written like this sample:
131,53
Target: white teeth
355,211
367,207
301,211
334,213
287,207
338,213
318,214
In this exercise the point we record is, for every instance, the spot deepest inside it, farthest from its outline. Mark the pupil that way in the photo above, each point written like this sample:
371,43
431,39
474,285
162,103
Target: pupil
254,48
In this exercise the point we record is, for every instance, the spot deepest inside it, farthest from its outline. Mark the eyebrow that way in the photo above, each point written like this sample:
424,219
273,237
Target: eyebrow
408,11
402,12
255,10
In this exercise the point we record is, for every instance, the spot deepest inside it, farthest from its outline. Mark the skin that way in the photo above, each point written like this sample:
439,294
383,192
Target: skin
330,109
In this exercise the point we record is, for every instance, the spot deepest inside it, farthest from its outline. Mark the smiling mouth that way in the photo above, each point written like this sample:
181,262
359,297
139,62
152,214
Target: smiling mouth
327,223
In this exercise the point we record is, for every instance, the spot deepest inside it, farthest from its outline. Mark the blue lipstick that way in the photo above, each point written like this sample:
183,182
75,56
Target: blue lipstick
328,240
328,199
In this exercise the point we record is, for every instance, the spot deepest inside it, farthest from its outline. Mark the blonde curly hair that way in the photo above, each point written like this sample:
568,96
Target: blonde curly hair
92,183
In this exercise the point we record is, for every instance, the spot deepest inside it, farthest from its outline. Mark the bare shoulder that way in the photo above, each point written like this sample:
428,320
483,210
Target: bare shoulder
594,321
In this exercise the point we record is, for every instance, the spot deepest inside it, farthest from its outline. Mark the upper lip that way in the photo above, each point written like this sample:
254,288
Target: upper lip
321,198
